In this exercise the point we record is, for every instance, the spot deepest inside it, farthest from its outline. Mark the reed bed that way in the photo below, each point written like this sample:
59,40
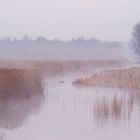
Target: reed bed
125,78
19,82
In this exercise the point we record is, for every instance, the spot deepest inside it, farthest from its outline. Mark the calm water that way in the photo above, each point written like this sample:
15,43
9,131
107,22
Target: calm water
72,113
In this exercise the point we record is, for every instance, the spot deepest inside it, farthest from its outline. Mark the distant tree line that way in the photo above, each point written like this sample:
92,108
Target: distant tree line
41,40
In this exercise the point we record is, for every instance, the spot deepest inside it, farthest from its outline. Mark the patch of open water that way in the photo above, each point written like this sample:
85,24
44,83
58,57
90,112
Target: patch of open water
79,113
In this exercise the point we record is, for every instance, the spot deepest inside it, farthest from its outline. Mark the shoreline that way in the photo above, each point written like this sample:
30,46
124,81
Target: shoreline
125,78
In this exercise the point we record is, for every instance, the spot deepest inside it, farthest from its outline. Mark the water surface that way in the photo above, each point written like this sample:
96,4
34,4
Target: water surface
73,113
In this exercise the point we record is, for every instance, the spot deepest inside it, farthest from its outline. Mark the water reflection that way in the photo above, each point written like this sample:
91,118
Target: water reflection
102,105
16,109
71,113
14,112
21,94
117,109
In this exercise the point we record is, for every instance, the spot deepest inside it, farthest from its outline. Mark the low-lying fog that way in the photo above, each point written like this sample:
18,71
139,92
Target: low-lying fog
71,112
57,49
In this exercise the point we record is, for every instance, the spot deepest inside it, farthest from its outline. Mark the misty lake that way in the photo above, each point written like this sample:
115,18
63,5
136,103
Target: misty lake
69,69
69,112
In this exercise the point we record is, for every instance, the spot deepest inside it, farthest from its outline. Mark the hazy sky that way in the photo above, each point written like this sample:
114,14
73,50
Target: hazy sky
65,19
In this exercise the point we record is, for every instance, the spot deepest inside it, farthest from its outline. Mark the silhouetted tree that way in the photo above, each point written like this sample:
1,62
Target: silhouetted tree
136,39
26,38
41,39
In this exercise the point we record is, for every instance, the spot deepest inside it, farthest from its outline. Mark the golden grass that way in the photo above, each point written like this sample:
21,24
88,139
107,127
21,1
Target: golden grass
126,78
19,82
55,67
21,94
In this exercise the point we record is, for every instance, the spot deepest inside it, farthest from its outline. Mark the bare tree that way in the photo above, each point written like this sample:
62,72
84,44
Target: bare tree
136,39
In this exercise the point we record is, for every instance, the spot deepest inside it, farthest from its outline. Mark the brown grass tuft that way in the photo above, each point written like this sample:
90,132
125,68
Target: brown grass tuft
19,82
126,78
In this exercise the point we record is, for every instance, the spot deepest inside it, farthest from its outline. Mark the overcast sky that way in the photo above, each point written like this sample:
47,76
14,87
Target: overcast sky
66,19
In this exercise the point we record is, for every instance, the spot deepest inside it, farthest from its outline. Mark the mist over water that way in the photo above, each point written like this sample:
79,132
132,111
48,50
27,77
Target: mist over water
71,112
58,82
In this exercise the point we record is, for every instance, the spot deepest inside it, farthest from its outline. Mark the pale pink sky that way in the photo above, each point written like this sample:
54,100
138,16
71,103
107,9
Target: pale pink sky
65,19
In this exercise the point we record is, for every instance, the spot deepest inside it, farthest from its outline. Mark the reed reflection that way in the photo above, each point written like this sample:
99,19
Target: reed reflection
21,94
116,109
